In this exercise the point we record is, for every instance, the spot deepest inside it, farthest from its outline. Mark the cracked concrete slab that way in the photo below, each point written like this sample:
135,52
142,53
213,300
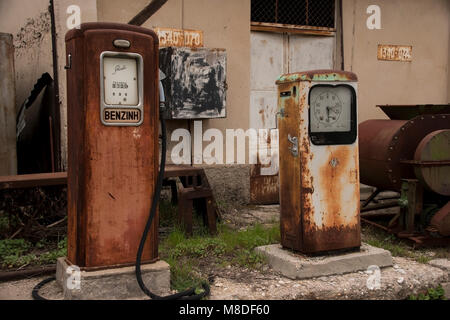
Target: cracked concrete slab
297,266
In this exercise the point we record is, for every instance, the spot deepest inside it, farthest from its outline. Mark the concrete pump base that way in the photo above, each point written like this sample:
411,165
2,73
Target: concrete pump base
298,266
114,283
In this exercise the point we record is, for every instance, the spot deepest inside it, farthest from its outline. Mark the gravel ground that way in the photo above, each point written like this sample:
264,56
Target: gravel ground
21,289
406,277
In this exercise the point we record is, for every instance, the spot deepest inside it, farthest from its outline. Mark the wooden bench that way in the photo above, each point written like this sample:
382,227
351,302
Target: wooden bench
194,191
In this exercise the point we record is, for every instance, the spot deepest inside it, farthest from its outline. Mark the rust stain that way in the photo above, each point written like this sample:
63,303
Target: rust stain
263,120
330,180
332,238
289,176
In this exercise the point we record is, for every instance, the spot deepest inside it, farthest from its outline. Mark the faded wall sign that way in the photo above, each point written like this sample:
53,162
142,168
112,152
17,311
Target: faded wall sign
169,37
394,53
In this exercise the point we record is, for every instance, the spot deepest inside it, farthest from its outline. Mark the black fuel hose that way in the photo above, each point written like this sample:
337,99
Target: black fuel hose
35,293
188,294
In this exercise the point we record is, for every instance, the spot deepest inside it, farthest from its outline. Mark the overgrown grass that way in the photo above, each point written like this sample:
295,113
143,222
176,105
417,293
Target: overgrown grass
432,294
228,247
399,248
16,253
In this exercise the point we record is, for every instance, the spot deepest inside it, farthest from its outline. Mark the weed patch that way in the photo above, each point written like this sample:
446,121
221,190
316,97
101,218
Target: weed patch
432,294
398,248
185,255
16,253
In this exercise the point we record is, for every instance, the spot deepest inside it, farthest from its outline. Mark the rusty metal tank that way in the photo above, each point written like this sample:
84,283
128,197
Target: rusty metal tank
415,145
402,148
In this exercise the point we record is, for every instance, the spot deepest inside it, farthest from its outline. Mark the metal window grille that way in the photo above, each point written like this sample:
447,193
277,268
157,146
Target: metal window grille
316,13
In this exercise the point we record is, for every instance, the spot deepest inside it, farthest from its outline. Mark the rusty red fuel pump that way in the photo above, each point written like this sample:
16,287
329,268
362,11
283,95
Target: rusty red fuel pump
112,94
319,178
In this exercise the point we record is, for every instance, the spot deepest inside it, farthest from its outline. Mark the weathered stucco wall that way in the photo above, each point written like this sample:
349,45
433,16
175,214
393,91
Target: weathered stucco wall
422,24
448,64
8,160
29,23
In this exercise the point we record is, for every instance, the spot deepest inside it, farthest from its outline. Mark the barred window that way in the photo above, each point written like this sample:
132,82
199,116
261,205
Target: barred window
319,14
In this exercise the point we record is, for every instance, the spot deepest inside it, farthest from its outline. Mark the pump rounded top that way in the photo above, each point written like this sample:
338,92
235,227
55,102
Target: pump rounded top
318,75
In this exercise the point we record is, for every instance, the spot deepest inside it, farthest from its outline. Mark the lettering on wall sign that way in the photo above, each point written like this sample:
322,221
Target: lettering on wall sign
74,20
394,53
169,37
374,20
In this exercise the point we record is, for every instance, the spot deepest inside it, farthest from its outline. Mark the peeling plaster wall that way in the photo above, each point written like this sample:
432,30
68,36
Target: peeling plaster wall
29,23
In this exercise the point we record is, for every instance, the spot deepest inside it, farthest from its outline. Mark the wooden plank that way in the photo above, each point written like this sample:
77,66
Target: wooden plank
278,27
172,171
60,178
33,180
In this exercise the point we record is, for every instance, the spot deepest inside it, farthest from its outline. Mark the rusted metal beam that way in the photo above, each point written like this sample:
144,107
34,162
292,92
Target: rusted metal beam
147,12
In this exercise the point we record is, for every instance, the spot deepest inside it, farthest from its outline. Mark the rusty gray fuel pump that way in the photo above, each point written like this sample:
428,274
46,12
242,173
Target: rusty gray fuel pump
319,177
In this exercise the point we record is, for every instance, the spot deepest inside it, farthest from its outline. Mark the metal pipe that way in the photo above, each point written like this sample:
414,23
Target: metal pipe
56,157
386,205
375,224
371,197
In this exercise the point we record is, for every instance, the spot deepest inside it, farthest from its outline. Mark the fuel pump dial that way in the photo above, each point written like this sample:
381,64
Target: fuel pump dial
327,108
331,107
121,85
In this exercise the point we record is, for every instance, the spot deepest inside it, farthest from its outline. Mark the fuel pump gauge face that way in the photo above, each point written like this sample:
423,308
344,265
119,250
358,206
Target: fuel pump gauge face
120,81
327,108
330,108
